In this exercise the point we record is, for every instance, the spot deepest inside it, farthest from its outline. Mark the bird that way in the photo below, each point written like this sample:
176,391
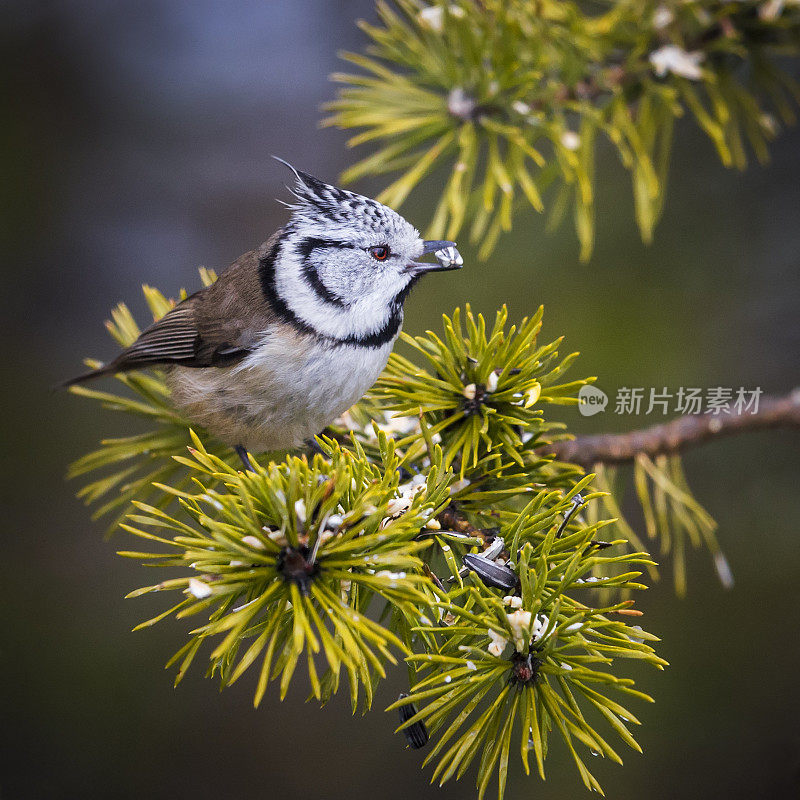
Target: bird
296,331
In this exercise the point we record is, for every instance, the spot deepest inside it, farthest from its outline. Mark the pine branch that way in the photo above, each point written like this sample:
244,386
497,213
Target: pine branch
432,525
672,437
511,98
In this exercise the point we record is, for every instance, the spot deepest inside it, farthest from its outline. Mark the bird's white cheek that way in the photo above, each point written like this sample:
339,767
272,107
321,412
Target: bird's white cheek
396,282
367,313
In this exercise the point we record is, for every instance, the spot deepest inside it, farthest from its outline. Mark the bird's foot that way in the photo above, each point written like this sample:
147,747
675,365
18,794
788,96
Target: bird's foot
312,445
242,453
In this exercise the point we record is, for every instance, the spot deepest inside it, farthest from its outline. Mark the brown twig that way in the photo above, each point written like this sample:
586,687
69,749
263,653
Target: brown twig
671,437
453,519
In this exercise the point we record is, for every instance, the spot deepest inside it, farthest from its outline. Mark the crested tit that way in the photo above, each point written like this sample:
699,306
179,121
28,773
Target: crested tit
293,332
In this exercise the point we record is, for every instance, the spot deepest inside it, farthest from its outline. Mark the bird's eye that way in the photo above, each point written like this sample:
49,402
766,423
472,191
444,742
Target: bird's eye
379,253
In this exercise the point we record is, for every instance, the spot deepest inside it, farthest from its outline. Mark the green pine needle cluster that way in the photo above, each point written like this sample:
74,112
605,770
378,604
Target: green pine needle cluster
485,388
287,560
433,528
547,651
511,98
131,466
672,516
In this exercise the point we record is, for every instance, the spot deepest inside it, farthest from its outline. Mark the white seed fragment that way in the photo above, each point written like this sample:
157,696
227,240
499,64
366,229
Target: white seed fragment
345,420
433,524
460,104
570,140
449,257
498,643
392,426
432,18
662,17
513,601
447,678
254,541
209,499
496,649
771,9
469,391
398,505
459,485
532,395
199,589
636,639
540,625
278,537
491,382
674,59
769,124
385,573
520,622
470,665
494,549
300,510
723,570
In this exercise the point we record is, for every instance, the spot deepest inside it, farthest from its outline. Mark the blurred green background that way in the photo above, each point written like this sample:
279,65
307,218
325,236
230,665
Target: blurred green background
135,146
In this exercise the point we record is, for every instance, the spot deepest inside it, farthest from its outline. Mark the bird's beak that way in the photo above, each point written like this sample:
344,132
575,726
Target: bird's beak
447,258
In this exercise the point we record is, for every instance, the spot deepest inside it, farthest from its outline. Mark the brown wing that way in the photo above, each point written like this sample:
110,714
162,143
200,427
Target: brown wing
217,326
173,339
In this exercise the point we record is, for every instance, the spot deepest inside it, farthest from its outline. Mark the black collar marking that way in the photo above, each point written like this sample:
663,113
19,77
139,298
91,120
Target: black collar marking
381,337
305,247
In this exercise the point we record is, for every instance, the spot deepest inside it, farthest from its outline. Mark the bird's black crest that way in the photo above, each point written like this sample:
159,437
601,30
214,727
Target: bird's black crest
329,202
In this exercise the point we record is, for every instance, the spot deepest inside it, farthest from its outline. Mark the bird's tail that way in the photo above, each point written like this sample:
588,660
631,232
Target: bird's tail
108,369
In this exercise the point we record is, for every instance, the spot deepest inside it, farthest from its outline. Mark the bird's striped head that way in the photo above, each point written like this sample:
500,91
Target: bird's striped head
345,263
